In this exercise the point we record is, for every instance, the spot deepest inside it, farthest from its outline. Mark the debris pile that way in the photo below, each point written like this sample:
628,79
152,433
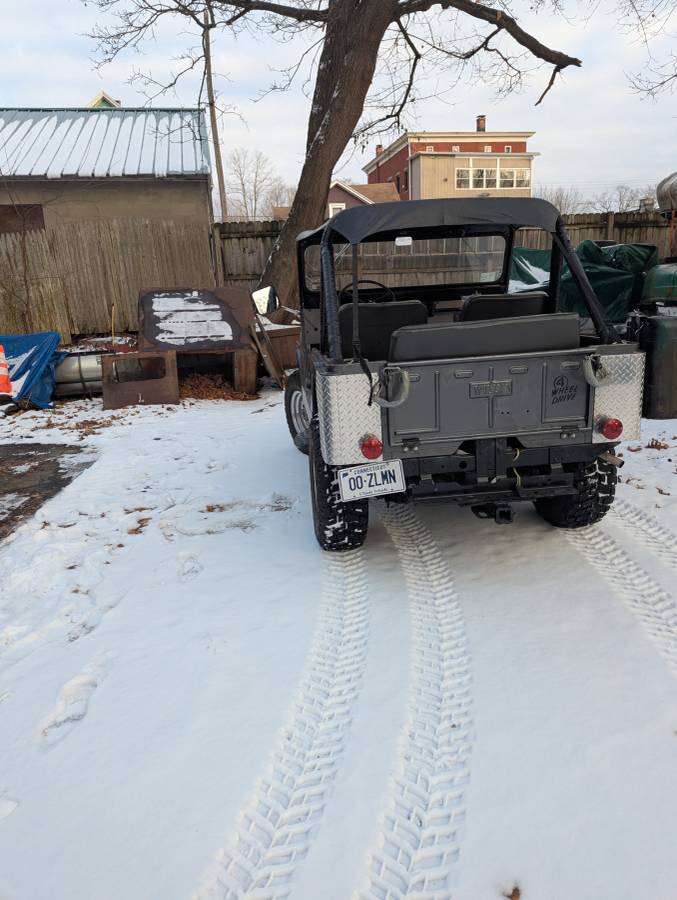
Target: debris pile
210,387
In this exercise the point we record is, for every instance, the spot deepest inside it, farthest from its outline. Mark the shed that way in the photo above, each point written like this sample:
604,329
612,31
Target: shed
104,162
96,203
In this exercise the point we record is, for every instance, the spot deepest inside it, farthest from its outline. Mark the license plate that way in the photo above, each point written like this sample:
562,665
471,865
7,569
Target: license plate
372,480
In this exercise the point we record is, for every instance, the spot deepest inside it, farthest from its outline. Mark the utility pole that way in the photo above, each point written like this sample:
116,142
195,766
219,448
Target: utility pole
211,104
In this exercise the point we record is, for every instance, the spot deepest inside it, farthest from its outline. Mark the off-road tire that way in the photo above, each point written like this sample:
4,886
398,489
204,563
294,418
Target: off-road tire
338,526
294,411
596,486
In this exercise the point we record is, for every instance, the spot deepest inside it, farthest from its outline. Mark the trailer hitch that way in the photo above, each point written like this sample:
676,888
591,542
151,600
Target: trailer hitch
501,513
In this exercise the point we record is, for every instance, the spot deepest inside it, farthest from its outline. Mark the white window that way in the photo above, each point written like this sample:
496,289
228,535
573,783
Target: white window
429,148
487,148
515,178
483,178
455,148
462,179
336,208
507,148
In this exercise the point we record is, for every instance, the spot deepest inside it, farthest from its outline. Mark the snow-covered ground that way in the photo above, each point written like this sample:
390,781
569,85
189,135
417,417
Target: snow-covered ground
196,702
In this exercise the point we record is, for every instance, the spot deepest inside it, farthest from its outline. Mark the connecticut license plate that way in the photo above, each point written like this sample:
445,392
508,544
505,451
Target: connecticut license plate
372,480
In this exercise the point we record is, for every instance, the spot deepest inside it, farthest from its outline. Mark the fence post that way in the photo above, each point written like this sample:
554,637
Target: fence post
610,226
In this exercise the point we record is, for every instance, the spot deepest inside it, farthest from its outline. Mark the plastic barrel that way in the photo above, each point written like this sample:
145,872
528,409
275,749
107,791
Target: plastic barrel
658,337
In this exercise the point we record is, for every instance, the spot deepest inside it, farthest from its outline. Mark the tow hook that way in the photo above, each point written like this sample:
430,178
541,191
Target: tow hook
612,459
501,513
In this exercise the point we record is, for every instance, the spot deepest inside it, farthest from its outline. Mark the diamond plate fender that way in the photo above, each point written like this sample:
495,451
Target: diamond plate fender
345,416
619,395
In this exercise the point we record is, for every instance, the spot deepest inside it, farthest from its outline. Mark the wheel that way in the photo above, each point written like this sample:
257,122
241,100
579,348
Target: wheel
295,411
596,486
338,526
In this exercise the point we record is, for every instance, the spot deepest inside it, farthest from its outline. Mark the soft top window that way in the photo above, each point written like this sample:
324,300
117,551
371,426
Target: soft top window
418,262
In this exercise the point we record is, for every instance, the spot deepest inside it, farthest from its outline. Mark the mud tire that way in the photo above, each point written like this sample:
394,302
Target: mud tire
338,526
596,488
295,412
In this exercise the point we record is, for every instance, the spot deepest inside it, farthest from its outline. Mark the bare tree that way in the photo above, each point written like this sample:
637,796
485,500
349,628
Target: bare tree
568,200
382,46
622,198
250,177
279,194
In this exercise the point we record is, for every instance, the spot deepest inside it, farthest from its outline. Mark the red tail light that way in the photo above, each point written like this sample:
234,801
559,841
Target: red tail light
612,429
371,447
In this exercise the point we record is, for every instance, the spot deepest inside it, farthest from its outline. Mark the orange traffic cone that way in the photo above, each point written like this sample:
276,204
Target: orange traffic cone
5,383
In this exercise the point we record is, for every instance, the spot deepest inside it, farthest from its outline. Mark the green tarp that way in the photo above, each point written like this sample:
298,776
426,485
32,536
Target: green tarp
616,274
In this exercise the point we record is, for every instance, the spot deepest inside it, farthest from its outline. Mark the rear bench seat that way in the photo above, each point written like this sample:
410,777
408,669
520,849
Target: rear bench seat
491,337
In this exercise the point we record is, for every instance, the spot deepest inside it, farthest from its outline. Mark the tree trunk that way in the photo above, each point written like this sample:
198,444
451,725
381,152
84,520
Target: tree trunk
353,35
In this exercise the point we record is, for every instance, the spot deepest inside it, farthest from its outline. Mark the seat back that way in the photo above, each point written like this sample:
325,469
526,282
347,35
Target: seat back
479,307
378,321
493,337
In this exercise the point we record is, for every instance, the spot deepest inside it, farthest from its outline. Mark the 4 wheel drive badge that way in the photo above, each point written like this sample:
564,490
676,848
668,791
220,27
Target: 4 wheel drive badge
562,391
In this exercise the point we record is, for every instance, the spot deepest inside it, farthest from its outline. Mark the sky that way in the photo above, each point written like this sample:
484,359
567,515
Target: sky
592,131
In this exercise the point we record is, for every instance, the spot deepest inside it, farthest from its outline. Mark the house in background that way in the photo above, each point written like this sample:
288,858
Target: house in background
101,162
425,165
343,195
104,101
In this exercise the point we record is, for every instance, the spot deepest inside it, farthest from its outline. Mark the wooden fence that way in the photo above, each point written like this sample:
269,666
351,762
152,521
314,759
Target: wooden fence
68,278
241,250
621,228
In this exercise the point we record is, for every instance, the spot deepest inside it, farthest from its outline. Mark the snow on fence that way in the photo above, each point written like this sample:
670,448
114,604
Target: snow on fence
67,278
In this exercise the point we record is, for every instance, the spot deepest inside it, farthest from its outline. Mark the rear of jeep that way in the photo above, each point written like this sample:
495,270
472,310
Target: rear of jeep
462,389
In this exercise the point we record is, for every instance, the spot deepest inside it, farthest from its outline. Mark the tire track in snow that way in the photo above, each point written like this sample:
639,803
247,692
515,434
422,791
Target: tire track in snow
648,530
421,828
654,607
275,831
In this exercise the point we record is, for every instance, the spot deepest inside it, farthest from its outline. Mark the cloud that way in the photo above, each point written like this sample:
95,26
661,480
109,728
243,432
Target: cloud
591,130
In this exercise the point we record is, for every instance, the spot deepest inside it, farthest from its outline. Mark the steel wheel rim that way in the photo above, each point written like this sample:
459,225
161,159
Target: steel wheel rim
298,412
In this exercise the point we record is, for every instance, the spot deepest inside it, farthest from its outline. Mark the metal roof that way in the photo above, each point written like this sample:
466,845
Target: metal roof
102,143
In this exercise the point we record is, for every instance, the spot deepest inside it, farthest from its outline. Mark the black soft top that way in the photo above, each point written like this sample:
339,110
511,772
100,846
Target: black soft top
364,222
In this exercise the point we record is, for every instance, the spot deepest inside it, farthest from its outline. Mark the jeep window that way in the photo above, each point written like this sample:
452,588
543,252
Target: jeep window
429,261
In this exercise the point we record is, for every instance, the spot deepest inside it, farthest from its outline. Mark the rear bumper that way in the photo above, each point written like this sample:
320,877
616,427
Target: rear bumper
496,473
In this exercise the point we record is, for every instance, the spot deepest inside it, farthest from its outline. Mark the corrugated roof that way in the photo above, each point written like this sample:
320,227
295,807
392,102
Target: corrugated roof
102,143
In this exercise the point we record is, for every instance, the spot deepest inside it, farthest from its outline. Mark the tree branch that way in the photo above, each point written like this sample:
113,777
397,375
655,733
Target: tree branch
279,9
499,20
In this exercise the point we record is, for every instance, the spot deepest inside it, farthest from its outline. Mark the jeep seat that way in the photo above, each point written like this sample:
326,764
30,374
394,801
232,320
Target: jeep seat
478,307
492,337
378,321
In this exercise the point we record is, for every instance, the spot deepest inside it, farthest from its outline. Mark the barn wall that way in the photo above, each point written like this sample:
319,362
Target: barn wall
65,201
68,277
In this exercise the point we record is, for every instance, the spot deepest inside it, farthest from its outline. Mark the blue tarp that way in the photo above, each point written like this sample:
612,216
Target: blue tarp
32,361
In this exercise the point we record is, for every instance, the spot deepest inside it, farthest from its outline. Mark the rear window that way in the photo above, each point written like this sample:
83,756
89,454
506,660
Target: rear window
420,262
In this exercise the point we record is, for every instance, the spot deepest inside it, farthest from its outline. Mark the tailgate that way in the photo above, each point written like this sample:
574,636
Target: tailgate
451,401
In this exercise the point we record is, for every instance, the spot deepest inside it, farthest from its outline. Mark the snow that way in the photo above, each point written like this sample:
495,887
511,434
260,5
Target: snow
186,318
10,502
196,702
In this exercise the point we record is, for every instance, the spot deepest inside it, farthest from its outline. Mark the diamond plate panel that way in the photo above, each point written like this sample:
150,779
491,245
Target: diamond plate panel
620,396
345,417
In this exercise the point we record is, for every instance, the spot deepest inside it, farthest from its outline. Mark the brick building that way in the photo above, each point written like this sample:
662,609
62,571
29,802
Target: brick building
424,165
